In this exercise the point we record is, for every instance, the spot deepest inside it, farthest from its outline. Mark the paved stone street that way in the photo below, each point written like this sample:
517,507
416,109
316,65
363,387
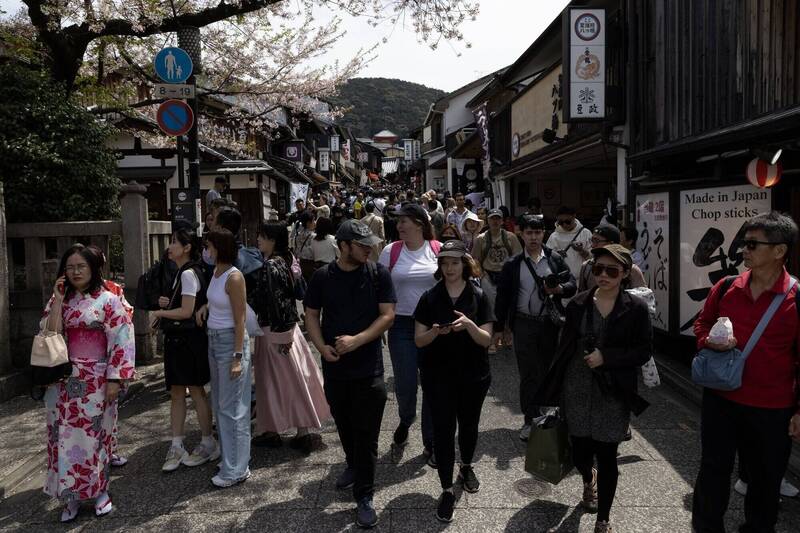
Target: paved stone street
288,492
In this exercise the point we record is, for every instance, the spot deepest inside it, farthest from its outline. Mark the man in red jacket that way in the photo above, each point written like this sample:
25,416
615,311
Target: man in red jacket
758,419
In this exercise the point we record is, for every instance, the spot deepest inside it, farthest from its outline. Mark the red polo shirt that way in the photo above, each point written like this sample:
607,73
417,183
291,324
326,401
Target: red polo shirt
769,377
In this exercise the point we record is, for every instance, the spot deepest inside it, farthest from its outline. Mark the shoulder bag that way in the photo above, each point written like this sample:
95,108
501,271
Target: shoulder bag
49,357
723,370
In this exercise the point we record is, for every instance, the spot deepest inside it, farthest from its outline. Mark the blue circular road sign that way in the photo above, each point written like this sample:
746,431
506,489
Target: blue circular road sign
173,65
175,117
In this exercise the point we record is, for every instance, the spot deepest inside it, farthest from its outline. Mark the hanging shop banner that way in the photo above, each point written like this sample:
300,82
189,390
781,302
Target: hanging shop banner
298,191
324,161
711,223
294,151
482,122
585,46
408,149
346,150
652,221
334,143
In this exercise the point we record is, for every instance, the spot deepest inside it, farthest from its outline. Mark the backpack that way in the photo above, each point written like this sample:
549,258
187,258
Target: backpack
487,243
154,283
397,247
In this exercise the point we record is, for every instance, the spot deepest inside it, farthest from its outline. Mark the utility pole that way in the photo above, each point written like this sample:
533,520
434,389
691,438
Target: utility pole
189,39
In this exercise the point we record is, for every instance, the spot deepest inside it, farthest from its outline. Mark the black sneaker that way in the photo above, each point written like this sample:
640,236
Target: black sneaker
467,478
267,440
447,503
366,516
401,435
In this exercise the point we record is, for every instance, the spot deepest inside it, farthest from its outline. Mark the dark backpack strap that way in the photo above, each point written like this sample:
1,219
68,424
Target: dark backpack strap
372,268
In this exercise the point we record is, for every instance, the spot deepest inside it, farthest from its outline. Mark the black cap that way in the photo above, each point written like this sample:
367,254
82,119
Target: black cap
454,248
353,230
412,210
609,233
494,213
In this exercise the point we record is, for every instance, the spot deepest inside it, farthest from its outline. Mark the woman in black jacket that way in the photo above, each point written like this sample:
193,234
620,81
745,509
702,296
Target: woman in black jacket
607,337
288,382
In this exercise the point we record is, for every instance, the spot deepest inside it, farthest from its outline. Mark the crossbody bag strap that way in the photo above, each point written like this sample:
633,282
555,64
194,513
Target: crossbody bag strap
577,234
538,280
762,325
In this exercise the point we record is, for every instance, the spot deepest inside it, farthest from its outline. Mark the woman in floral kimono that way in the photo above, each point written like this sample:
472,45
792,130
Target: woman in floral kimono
82,410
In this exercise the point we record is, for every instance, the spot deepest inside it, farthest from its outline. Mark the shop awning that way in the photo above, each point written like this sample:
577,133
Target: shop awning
561,157
248,166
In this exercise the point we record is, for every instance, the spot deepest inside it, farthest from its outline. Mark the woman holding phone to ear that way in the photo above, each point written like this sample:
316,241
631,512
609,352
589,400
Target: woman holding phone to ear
81,410
453,329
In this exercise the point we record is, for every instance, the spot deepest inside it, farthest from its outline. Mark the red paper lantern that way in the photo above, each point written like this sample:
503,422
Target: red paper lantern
762,174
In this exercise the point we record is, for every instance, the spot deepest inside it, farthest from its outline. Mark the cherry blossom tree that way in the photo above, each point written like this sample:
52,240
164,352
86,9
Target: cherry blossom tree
259,56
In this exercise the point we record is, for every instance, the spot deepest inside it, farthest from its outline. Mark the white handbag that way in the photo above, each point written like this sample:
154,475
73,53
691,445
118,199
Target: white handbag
49,350
251,323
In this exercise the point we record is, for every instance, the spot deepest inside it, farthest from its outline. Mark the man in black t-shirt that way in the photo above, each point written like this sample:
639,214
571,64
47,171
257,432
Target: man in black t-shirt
356,299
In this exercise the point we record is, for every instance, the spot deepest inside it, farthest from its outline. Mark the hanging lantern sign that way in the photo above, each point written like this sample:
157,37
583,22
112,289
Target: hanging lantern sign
763,175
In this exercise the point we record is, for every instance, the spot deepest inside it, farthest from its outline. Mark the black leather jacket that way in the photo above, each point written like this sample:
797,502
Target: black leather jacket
273,298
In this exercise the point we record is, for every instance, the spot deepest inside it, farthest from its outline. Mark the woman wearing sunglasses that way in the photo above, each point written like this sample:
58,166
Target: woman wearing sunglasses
607,337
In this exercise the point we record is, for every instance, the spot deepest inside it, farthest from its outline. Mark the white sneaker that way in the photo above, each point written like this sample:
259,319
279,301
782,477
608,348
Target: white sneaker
788,490
525,432
225,483
175,456
200,455
740,487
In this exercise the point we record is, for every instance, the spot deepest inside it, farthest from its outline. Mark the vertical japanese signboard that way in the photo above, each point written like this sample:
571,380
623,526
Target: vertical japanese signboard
711,223
652,221
584,58
324,160
408,149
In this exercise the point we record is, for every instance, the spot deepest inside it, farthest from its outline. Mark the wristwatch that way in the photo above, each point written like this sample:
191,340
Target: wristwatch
238,355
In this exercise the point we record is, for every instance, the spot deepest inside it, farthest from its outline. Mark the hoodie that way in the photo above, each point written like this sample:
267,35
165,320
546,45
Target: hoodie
561,238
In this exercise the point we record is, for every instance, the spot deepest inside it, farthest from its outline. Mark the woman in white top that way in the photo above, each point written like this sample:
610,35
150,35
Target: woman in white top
470,229
186,352
301,243
323,245
412,262
228,358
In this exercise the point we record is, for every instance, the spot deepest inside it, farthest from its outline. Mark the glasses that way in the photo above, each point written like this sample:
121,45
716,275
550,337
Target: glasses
612,271
753,244
76,268
564,222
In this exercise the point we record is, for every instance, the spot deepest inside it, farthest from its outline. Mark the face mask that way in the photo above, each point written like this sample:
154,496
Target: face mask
207,257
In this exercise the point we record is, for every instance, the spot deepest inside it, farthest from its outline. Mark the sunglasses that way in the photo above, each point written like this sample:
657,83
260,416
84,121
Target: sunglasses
753,244
612,271
565,222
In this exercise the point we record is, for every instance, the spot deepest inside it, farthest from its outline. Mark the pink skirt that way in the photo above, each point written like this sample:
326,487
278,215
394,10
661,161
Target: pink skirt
289,392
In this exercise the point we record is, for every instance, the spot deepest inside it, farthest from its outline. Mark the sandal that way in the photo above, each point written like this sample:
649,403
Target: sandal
102,505
118,460
70,511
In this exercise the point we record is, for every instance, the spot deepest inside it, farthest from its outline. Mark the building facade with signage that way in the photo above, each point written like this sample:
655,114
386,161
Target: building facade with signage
703,121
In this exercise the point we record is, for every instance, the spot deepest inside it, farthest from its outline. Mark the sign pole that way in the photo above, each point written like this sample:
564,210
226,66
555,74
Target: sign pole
194,150
189,38
181,176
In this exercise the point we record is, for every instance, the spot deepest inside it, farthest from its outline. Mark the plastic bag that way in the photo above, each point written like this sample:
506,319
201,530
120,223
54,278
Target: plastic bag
650,375
722,331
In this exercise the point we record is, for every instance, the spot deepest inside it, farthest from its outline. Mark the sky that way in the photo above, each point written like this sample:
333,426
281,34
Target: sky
503,30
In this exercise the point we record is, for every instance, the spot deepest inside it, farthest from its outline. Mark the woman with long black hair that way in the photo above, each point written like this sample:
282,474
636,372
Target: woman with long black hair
289,391
453,330
186,351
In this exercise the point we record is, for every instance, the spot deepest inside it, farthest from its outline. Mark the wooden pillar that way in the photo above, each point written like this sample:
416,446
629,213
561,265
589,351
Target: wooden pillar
136,251
5,318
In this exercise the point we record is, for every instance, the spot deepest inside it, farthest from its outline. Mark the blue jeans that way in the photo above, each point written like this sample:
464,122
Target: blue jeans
230,400
404,354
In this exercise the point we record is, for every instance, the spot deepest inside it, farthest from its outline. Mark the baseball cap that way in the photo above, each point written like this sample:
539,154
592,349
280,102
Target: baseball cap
454,248
617,251
412,210
353,230
495,213
609,233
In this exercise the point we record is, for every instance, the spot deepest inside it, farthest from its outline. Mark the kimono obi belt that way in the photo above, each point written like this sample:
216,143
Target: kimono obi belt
87,343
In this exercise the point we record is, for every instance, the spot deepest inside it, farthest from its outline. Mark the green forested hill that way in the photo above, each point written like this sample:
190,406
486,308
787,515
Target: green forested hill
381,103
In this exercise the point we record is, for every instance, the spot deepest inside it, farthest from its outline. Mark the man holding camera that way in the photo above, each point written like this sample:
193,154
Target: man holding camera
529,295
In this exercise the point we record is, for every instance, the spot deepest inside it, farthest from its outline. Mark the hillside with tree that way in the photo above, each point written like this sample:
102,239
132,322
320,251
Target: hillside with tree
382,103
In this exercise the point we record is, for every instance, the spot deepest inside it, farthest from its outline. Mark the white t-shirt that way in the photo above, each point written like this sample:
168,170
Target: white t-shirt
412,275
380,205
325,250
190,285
